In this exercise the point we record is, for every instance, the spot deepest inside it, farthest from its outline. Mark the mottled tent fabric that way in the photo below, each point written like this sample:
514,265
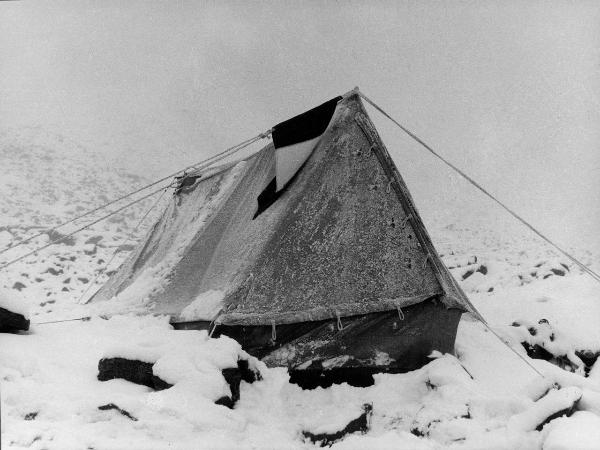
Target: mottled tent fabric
343,238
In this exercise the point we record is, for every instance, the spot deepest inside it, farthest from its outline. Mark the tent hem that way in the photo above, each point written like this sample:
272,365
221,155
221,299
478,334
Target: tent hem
322,313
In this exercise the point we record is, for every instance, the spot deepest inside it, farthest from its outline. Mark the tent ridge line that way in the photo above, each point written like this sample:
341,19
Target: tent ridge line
324,313
405,198
402,194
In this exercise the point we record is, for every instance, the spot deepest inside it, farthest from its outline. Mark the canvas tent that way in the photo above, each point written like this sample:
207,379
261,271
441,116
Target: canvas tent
310,253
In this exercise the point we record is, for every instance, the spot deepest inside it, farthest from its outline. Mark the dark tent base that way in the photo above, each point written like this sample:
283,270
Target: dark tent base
323,354
354,376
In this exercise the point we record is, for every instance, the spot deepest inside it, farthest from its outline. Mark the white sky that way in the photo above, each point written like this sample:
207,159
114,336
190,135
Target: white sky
509,91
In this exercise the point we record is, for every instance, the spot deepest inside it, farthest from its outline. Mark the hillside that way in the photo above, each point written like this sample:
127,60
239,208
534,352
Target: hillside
47,180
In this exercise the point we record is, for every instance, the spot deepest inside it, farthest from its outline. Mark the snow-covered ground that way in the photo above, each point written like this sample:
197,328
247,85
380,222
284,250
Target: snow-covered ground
483,397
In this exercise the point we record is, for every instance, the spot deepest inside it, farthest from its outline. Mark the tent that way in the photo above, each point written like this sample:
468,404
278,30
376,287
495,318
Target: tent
310,253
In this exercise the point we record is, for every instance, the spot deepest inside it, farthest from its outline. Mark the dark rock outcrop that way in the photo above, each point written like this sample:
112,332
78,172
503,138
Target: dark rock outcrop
19,286
360,424
141,372
110,406
11,322
568,412
138,372
234,376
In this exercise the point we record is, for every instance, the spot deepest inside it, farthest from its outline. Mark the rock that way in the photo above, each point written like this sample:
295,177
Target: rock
234,376
536,351
159,384
588,358
115,407
225,401
360,424
249,375
141,372
53,271
568,412
467,274
315,376
11,322
125,248
93,240
59,238
18,286
556,403
135,371
90,249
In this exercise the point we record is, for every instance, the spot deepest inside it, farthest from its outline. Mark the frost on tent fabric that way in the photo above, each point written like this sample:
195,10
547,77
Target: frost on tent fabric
316,229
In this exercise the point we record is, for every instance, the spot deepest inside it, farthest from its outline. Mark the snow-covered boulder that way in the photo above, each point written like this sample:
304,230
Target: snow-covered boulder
581,431
556,403
14,314
213,368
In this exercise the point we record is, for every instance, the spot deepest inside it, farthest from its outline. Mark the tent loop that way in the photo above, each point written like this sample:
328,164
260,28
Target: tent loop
273,332
116,251
425,260
340,325
249,281
388,189
215,325
266,134
400,313
405,221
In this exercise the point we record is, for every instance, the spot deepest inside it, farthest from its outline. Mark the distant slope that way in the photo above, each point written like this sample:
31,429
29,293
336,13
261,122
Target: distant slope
48,179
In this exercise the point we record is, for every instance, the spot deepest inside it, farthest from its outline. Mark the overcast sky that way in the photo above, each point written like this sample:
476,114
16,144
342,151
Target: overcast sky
509,91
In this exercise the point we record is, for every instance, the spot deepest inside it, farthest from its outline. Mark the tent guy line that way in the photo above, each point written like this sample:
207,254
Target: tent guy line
204,163
234,149
128,239
56,241
330,155
582,266
257,305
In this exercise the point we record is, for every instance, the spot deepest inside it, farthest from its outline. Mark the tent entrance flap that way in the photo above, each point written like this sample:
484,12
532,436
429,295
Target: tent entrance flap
296,138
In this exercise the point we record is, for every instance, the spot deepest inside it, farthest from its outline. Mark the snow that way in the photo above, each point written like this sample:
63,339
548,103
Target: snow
484,396
205,307
551,403
14,302
581,432
553,300
179,231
